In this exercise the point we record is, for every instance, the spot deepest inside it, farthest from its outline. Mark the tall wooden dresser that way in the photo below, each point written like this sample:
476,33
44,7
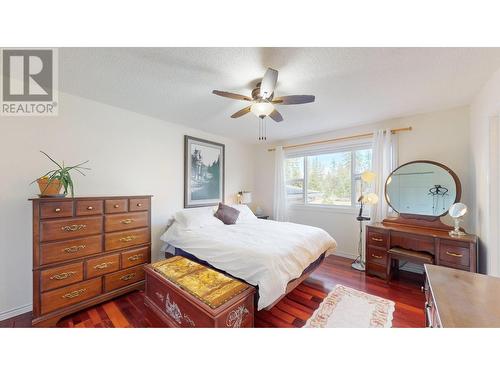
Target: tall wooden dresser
87,250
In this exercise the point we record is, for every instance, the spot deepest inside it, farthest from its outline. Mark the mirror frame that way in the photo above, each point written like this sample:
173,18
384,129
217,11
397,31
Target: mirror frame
426,217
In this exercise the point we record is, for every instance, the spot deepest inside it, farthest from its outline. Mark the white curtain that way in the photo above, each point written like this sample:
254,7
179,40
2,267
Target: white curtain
384,161
279,208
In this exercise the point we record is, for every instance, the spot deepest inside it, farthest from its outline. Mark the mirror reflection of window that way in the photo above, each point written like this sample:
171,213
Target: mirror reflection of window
421,188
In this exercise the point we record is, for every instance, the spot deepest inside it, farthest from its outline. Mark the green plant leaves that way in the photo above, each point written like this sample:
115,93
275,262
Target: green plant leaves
63,174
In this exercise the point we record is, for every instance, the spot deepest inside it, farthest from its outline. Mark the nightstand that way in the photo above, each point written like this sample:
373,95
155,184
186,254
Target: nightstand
263,217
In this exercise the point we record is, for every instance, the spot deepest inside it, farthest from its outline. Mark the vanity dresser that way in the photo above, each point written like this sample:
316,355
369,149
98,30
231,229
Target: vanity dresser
420,192
87,250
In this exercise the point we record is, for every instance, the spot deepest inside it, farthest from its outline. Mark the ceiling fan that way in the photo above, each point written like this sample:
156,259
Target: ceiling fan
263,101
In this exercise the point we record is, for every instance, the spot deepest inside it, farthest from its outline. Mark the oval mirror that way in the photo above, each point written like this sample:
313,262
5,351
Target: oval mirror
422,188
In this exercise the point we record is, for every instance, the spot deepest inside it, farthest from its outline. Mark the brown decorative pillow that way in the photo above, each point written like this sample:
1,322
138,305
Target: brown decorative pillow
228,215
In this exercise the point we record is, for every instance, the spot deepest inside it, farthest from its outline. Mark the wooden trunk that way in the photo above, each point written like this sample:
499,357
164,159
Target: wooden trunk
173,306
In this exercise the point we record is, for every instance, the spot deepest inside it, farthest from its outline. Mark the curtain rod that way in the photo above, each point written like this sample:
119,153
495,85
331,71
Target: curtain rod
364,135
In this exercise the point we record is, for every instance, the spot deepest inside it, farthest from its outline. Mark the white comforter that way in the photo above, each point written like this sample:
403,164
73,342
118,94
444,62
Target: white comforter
262,252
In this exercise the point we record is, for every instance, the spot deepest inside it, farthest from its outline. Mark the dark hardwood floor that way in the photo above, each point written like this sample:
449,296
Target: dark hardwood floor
292,311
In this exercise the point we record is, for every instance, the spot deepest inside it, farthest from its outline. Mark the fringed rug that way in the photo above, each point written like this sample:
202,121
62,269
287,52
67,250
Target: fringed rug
345,307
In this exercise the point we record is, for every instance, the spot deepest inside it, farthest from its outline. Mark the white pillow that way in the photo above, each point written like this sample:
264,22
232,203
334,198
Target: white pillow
192,218
246,213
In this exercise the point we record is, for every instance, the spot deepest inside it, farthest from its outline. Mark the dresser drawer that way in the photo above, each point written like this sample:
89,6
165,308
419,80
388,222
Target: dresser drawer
86,207
120,240
114,206
113,223
139,204
61,276
123,278
134,257
376,256
70,295
102,265
51,210
377,238
68,228
72,249
454,253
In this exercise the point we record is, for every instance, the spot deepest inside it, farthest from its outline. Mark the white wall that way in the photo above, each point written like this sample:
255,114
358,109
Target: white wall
129,154
484,108
439,136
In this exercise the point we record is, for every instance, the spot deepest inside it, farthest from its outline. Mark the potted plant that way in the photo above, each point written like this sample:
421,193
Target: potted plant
51,182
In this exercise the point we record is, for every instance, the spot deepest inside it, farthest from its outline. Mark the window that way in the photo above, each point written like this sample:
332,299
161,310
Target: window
330,179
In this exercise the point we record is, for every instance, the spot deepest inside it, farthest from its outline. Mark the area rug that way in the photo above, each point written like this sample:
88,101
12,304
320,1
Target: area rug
345,307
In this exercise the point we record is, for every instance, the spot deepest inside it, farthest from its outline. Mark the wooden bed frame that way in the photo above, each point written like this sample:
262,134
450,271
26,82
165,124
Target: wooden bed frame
291,285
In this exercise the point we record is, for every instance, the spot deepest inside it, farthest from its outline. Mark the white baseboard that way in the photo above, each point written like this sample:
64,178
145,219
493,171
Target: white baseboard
15,312
345,255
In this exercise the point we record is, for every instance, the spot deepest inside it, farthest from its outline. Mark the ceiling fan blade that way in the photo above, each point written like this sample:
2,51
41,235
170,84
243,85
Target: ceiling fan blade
276,116
232,95
294,99
241,112
268,83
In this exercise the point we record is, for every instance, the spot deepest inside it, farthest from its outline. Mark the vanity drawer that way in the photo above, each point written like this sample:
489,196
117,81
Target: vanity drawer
67,250
412,242
114,206
139,204
123,278
84,208
70,295
112,223
51,210
68,228
61,276
102,265
377,238
376,256
457,253
120,240
134,257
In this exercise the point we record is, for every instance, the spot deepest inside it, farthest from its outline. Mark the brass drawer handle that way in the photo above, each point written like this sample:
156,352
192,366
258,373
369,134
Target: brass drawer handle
377,239
90,208
74,249
102,265
62,276
116,206
376,256
454,254
74,293
128,276
127,221
128,238
135,257
57,209
73,228
139,204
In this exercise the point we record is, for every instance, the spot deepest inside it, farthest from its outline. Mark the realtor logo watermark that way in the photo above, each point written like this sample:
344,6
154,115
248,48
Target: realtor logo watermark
29,82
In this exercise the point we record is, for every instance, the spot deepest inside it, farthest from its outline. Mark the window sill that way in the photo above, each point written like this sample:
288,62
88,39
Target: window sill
324,208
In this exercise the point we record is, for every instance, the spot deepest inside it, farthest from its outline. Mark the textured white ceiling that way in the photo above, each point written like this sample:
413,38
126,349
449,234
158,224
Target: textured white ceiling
353,86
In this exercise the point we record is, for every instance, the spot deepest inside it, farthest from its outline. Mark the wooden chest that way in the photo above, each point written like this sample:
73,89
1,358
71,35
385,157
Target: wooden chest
182,293
87,250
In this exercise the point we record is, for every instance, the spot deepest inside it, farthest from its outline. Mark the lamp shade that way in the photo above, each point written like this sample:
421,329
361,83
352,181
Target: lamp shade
262,108
245,197
370,199
368,176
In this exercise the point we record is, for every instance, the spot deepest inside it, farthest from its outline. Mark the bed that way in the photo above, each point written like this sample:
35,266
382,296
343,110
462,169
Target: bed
273,256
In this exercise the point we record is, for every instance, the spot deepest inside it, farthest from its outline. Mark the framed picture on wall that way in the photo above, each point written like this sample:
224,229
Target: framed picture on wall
203,172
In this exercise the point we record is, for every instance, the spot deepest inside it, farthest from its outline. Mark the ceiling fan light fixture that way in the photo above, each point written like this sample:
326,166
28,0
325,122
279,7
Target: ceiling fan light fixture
262,108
